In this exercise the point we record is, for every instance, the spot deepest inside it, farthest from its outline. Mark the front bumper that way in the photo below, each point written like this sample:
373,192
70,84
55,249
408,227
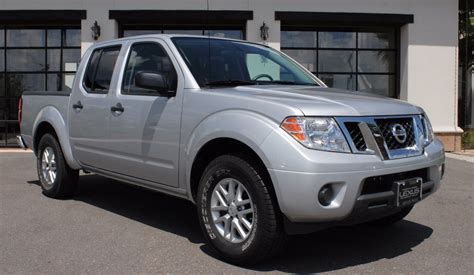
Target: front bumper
297,188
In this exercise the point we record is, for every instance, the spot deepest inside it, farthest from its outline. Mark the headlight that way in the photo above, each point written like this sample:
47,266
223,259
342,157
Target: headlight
321,133
428,133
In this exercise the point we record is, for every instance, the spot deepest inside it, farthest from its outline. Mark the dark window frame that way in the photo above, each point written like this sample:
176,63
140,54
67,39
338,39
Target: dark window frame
101,49
356,49
155,94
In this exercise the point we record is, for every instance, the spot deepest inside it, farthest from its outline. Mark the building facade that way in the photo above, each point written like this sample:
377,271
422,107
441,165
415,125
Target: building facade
395,48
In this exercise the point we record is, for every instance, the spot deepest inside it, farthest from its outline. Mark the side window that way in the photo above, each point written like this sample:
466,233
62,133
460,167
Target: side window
100,70
150,58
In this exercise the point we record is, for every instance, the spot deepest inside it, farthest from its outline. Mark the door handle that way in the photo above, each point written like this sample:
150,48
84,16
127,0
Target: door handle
117,108
77,106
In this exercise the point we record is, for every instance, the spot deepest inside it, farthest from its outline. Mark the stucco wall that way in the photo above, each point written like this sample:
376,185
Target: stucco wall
428,60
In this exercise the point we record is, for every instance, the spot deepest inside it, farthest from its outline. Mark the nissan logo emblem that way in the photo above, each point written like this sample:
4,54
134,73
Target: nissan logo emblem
399,133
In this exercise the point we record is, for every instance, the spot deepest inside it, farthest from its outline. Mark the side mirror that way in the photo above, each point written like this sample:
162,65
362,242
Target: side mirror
152,81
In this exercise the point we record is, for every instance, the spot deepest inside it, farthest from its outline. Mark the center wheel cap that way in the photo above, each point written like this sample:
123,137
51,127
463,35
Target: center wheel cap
233,210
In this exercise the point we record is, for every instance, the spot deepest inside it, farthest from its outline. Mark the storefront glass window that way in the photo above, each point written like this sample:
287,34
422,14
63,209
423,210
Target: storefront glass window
33,59
363,59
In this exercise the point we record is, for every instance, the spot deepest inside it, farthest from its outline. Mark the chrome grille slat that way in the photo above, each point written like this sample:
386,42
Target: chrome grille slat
388,147
356,135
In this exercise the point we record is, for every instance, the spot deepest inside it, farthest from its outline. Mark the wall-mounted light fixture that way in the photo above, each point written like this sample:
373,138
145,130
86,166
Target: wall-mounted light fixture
95,31
264,31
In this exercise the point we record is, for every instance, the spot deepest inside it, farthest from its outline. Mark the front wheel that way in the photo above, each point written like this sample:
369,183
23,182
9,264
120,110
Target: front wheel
236,211
57,179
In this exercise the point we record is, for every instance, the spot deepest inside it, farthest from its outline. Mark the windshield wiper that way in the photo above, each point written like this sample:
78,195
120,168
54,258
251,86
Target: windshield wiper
230,83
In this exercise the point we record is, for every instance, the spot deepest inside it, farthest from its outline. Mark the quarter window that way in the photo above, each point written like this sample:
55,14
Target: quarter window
100,70
150,58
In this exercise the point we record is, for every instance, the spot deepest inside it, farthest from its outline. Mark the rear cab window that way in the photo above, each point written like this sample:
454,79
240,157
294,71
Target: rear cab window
100,69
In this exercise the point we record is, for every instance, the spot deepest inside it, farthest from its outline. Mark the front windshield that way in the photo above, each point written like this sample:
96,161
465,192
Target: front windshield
216,62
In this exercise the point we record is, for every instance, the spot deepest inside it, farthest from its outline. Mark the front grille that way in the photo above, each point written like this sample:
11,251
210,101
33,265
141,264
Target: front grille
387,137
356,135
384,183
385,126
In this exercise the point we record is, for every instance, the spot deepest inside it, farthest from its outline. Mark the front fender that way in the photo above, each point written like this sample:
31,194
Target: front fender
245,126
52,116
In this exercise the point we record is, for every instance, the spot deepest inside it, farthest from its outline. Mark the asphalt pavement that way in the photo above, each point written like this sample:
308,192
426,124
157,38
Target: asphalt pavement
109,227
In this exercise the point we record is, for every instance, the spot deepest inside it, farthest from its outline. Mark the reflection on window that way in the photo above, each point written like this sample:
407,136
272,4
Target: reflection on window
362,59
306,39
340,81
307,58
336,61
376,84
376,61
150,58
54,38
337,39
25,38
376,40
25,60
18,83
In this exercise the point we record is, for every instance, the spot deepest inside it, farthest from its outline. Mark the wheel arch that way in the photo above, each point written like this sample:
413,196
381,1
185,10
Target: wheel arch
222,146
50,120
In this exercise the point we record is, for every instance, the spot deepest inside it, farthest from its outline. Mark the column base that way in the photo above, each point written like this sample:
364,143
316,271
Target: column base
452,141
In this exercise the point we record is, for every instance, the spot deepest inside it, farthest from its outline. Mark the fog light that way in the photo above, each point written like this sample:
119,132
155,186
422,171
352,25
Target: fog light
325,195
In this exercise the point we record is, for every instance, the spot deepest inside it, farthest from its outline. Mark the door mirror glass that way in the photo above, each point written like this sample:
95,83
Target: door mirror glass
151,81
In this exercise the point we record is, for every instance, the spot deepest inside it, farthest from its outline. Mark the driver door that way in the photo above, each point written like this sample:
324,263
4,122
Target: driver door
145,130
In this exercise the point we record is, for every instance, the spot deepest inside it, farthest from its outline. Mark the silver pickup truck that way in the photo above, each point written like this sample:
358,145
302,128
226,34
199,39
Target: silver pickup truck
260,145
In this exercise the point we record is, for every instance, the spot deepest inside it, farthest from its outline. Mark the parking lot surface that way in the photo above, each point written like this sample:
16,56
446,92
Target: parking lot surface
110,227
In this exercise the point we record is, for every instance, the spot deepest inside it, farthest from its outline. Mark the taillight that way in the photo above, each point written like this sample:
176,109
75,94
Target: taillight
20,107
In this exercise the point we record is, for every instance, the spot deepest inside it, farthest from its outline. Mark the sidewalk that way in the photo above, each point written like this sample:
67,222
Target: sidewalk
14,150
466,155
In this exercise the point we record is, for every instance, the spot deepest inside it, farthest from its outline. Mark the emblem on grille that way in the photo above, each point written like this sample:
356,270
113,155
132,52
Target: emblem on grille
399,133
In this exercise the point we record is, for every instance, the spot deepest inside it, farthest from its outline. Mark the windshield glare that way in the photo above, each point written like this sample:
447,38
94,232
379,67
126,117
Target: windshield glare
215,62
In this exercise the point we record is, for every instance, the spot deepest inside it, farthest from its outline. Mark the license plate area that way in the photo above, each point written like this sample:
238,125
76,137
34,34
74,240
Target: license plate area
409,191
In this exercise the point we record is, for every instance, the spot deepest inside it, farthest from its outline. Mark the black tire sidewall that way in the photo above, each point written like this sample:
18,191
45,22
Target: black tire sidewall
50,141
231,167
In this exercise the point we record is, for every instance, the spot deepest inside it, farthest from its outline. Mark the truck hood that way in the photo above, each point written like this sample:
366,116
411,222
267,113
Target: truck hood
322,101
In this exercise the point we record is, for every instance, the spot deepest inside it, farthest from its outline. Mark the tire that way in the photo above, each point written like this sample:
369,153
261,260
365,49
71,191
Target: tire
389,220
265,237
57,179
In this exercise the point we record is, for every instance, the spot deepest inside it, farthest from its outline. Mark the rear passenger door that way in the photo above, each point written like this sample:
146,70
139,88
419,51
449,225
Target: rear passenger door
144,133
89,109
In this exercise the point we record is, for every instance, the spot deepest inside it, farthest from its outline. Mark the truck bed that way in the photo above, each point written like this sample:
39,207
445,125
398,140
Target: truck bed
37,101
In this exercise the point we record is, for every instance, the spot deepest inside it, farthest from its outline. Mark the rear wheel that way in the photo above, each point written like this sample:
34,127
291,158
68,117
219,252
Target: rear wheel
57,179
389,220
236,211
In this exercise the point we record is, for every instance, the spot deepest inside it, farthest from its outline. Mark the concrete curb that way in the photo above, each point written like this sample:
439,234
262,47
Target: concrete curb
14,150
460,157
